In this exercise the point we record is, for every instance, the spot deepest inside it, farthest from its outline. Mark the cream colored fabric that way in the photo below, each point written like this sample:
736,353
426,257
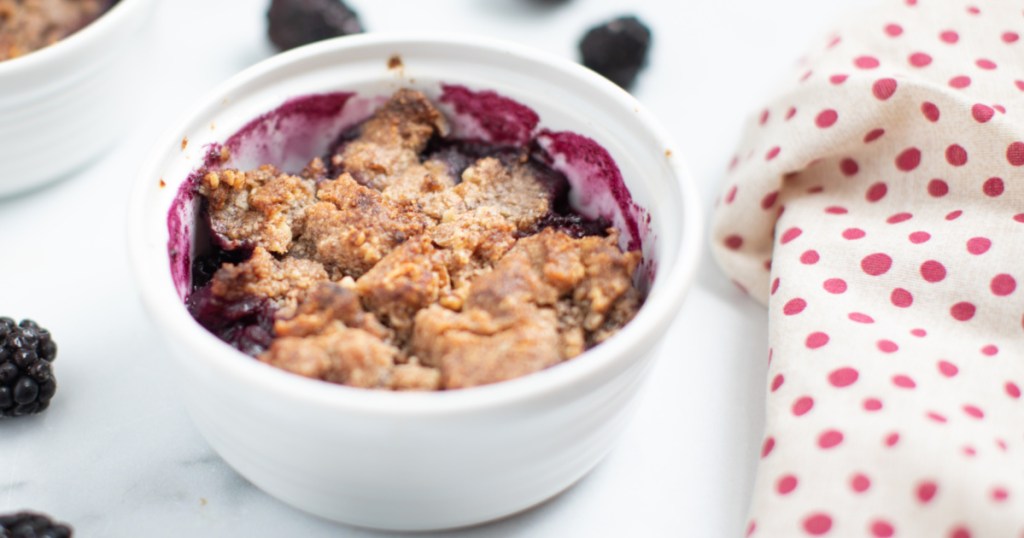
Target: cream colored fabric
877,208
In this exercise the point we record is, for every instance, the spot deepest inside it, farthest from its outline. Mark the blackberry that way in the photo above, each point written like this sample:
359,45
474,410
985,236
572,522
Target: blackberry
293,23
32,525
617,49
26,375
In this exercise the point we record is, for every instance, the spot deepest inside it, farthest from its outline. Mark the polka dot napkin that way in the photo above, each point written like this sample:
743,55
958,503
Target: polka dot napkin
877,207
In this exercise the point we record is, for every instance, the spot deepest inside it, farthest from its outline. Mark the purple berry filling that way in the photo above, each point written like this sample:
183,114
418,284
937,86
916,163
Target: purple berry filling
575,169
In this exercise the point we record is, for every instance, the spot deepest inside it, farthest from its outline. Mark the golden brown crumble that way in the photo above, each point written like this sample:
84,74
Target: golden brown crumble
393,274
29,25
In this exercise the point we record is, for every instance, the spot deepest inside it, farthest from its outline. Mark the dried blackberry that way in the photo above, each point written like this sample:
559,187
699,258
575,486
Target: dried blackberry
293,23
617,49
26,375
32,525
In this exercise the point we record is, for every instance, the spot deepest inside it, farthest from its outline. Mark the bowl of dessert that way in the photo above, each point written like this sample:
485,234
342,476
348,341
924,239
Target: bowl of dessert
413,283
66,68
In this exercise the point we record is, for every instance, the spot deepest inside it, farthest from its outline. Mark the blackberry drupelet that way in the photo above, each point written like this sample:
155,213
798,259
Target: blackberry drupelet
294,23
26,374
617,49
32,525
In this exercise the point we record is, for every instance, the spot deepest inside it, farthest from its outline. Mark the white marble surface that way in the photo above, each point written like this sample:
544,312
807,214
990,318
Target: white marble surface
116,454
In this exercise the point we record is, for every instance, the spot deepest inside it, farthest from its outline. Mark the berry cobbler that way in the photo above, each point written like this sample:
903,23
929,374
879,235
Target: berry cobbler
405,259
29,25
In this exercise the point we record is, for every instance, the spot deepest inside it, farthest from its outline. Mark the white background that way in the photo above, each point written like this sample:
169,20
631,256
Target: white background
116,455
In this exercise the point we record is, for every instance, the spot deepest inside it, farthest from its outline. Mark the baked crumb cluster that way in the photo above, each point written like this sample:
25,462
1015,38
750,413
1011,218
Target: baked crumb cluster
29,25
385,267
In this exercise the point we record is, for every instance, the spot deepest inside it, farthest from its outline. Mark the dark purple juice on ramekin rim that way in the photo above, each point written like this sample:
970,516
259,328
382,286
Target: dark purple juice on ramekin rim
587,189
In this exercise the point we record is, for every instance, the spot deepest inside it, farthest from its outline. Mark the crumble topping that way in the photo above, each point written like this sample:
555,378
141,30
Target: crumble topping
29,25
398,267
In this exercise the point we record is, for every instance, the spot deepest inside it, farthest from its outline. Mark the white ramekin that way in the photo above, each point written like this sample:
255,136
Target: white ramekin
415,461
62,105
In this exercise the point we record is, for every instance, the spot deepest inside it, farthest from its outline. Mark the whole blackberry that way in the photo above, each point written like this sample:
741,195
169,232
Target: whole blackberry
617,49
32,525
26,375
299,22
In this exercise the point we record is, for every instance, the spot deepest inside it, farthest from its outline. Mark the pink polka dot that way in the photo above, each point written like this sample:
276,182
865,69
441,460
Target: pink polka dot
861,318
938,188
926,491
873,135
1000,108
790,113
751,528
933,271
826,118
969,451
733,242
882,529
982,113
948,369
843,377
973,10
860,483
1010,37
920,333
790,234
949,36
999,494
731,195
838,210
1015,153
962,311
887,346
901,298
794,307
920,59
853,234
909,159
978,245
884,88
838,79
990,350
893,30
985,63
960,532
876,192
899,217
903,381
849,167
1019,217
876,264
993,187
960,82
892,439
777,382
769,200
866,62
767,447
775,285
956,155
930,111
810,257
872,404
816,340
835,286
953,215
974,411
802,405
1019,84
937,417
786,484
817,524
830,439
1012,390
920,237
1003,285
772,153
